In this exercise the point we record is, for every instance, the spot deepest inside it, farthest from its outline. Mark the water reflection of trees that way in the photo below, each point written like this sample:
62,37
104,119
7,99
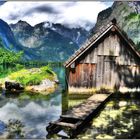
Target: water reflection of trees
15,129
126,124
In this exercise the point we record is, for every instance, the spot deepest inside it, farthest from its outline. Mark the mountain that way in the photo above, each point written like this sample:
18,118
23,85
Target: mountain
127,14
9,41
7,37
49,41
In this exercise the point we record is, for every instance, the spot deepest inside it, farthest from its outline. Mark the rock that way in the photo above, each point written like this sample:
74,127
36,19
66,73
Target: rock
13,86
56,80
45,85
35,70
127,15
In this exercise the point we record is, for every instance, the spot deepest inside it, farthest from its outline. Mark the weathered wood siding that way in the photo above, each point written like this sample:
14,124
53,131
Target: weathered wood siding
82,76
112,45
110,62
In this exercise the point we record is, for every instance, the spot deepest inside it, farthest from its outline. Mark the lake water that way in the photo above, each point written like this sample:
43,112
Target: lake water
35,111
120,119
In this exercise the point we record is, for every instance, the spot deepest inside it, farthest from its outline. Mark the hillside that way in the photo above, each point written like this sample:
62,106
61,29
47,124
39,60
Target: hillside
48,41
9,42
128,18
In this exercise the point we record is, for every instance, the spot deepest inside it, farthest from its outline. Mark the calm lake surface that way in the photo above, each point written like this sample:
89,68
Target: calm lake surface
36,111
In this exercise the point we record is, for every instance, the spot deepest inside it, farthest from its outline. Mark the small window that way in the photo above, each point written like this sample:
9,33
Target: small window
72,65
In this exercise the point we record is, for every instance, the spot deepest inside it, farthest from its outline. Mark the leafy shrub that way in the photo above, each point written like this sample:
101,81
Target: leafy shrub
32,76
29,80
19,66
47,69
132,16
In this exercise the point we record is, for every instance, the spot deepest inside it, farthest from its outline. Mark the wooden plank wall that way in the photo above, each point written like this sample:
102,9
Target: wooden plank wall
128,76
83,75
112,45
110,62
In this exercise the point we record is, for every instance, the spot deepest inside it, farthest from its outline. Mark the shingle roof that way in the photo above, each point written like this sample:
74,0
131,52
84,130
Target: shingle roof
89,42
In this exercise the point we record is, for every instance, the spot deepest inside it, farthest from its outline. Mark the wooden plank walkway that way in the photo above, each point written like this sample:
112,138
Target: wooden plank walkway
78,116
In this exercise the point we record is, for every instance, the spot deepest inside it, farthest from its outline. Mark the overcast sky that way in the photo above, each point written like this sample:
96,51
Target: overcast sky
74,14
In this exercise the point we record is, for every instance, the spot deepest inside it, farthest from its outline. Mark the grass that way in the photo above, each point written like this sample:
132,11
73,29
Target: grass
34,76
133,16
84,90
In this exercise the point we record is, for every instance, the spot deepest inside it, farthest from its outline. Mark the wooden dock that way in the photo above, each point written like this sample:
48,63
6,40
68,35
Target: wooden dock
69,125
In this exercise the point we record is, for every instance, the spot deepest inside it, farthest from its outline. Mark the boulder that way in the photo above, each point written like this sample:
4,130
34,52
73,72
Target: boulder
13,86
56,80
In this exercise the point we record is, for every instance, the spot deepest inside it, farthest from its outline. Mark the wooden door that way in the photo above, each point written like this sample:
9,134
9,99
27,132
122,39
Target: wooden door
88,74
105,71
83,75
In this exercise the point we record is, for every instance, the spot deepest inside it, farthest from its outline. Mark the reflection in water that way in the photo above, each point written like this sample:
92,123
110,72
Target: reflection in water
64,101
2,127
35,114
34,111
119,120
15,129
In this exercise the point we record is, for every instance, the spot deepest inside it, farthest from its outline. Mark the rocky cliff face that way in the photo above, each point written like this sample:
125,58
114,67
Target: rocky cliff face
9,41
48,41
127,15
7,36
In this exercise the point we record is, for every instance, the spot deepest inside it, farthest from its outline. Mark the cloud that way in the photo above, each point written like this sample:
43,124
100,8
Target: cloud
42,9
73,14
13,16
2,2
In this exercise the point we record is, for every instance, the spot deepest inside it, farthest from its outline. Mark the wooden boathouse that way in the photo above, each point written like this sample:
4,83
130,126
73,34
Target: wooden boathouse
108,59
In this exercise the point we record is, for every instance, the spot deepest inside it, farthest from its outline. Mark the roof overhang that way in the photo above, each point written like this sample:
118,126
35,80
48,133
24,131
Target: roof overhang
89,43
